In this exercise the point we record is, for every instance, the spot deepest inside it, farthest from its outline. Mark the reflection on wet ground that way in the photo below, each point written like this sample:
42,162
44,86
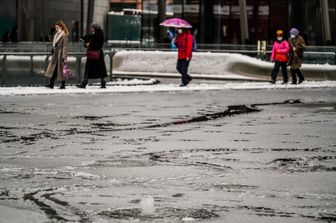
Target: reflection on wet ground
204,158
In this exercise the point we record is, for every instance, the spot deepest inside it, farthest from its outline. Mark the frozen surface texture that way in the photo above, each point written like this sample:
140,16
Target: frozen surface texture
226,155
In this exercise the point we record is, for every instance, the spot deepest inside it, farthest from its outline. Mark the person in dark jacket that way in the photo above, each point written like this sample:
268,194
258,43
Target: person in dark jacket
297,46
184,43
95,68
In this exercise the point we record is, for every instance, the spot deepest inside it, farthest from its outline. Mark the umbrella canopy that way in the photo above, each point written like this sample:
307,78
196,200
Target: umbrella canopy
175,22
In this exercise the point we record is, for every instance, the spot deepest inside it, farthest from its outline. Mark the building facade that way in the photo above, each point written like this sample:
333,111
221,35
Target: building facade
241,21
35,20
215,21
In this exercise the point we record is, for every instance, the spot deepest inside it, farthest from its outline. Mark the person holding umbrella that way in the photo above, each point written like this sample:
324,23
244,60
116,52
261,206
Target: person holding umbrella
184,43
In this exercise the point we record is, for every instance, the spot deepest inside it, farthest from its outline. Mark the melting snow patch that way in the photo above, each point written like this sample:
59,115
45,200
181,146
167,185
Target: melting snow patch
86,175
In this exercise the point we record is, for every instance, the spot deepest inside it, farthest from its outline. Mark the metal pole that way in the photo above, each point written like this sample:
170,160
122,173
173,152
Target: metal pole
81,18
42,35
45,18
90,14
31,65
182,9
326,21
79,63
161,18
4,70
243,21
142,23
111,64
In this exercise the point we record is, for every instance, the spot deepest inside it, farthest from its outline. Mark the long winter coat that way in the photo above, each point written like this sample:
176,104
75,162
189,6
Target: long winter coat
184,43
297,55
280,51
96,68
60,51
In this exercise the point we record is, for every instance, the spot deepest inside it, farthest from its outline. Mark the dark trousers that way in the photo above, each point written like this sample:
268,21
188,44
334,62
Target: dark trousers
298,73
54,76
276,69
182,67
86,79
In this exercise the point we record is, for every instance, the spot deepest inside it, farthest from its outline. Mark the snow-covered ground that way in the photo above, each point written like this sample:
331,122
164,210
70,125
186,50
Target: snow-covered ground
230,152
150,86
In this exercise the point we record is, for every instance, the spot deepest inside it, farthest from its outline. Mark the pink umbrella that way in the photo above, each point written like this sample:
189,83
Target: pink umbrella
175,22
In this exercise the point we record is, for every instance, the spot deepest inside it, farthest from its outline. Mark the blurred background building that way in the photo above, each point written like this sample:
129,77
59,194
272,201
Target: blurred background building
137,21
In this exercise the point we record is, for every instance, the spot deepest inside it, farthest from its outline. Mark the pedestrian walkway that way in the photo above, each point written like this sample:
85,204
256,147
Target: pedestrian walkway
95,89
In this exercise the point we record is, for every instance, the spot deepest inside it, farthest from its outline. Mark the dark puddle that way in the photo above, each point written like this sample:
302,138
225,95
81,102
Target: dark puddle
302,164
5,195
7,112
233,187
91,118
49,210
161,213
231,111
29,139
265,211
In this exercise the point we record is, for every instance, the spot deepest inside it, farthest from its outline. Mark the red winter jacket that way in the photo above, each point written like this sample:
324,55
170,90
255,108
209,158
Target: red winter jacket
280,51
184,43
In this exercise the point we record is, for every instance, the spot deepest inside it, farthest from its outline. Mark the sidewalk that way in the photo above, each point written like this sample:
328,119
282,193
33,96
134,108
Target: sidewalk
135,86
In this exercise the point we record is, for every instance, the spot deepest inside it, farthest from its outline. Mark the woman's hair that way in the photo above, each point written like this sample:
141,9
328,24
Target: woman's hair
96,26
61,24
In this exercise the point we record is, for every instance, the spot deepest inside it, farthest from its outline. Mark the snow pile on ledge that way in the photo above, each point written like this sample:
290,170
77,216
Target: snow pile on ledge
207,64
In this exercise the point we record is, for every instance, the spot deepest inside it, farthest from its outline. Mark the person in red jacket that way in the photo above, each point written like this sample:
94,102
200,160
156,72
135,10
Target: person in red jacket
280,57
184,43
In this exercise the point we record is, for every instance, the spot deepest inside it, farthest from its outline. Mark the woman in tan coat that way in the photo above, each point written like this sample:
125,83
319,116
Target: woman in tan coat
59,55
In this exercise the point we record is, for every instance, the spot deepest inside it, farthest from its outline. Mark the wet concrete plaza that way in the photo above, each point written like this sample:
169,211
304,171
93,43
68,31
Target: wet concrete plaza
205,156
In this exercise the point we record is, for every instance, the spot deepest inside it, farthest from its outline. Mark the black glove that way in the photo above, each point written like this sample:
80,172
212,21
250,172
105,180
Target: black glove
52,51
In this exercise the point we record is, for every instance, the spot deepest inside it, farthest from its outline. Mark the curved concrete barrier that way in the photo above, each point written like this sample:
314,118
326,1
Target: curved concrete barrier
208,65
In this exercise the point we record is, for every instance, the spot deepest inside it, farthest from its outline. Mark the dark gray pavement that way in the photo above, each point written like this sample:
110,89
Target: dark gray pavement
214,156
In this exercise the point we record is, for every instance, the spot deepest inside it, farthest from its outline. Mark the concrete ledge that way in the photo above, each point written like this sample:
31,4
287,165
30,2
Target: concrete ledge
208,65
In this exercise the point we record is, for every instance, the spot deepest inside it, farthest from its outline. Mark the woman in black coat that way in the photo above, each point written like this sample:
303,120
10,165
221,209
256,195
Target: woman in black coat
95,67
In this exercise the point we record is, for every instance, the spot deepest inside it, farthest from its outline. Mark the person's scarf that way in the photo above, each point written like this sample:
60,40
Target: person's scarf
57,37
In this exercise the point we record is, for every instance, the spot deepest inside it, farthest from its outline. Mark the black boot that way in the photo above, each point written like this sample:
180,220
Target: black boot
83,84
103,84
272,81
51,83
50,86
62,85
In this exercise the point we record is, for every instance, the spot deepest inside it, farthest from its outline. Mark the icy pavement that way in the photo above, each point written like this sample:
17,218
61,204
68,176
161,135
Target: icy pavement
204,153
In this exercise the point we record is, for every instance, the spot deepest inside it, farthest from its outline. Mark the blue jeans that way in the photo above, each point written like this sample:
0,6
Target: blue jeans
182,67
